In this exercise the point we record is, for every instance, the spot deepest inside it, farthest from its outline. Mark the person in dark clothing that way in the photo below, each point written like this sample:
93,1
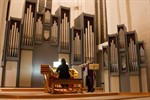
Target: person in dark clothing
63,71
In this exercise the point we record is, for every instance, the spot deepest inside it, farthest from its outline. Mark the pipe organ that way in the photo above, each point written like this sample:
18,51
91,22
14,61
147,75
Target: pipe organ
126,62
55,37
39,28
86,21
113,51
76,49
41,5
64,32
28,24
13,43
132,50
47,15
54,30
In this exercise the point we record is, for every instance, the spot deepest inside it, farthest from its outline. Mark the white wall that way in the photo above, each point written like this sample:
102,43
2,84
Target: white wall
3,8
128,12
86,6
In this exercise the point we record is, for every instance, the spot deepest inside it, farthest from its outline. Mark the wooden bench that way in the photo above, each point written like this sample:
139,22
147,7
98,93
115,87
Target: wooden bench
77,84
51,81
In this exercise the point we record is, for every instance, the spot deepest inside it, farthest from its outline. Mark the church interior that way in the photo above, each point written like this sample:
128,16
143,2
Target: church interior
105,43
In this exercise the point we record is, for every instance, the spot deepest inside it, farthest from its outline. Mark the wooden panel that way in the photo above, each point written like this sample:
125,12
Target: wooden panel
25,68
134,84
10,74
144,83
114,84
106,81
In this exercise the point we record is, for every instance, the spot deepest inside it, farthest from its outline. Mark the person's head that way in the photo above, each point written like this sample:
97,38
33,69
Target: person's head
63,61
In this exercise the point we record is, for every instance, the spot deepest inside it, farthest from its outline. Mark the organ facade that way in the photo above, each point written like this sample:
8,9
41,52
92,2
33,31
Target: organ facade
40,38
122,62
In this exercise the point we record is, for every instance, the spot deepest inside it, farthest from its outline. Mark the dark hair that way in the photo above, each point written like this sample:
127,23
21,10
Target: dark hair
63,61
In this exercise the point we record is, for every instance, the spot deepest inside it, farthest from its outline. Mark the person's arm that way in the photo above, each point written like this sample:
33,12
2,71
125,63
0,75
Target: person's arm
58,69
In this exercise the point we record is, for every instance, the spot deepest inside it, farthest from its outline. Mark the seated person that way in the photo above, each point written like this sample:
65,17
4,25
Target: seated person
63,71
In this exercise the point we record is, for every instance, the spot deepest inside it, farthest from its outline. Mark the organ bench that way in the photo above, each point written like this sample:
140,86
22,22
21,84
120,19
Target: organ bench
52,82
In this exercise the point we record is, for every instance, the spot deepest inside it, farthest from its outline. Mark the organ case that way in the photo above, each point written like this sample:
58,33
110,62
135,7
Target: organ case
54,30
113,54
132,52
28,24
13,39
47,15
76,46
86,22
39,28
64,32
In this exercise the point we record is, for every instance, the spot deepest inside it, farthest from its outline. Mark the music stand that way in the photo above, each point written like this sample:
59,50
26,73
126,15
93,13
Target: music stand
93,67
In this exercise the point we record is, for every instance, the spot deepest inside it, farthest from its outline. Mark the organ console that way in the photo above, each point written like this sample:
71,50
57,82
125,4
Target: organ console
50,75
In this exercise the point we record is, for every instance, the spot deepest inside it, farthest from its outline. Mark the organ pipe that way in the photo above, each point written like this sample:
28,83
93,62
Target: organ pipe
28,27
13,40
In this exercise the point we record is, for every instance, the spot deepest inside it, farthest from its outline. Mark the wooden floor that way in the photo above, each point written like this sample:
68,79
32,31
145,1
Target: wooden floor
38,93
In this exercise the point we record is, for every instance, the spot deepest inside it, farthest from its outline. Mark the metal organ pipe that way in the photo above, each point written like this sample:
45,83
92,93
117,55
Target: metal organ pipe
86,44
65,30
62,33
26,34
31,28
89,47
91,42
56,29
77,41
60,36
13,41
28,27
